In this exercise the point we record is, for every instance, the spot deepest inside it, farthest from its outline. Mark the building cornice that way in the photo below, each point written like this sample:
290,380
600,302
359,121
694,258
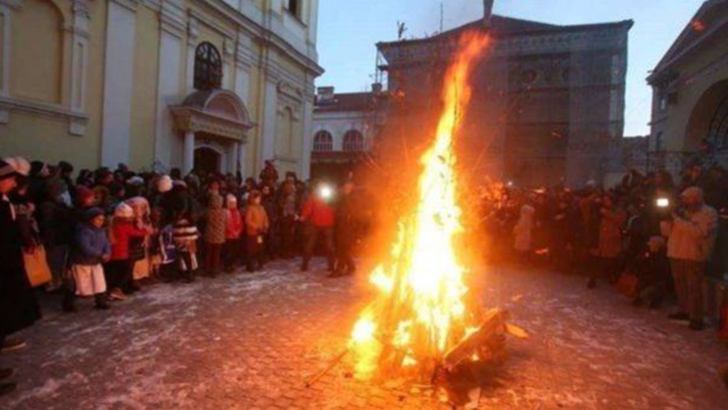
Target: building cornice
172,18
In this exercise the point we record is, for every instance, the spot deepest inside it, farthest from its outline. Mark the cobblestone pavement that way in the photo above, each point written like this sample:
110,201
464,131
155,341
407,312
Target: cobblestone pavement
246,341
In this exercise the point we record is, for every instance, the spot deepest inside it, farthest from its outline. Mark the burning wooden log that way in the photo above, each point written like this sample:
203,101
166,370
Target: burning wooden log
481,343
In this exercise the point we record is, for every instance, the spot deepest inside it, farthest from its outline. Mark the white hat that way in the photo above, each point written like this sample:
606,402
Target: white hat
20,164
135,181
164,184
123,211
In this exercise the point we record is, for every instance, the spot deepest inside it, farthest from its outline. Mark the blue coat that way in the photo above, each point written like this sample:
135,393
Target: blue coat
90,246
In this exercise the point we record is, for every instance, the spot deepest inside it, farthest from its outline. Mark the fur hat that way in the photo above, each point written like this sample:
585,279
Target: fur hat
164,184
7,170
136,181
20,164
123,210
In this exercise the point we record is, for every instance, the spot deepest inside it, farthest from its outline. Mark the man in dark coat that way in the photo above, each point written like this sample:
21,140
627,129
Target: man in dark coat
18,307
346,231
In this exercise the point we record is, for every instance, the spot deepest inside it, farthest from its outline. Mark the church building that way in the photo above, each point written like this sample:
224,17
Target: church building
548,100
221,85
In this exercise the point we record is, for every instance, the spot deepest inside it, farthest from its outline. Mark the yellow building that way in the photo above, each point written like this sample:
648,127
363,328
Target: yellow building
156,84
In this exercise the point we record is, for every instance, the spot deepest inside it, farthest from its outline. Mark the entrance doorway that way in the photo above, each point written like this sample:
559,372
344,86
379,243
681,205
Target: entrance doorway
207,160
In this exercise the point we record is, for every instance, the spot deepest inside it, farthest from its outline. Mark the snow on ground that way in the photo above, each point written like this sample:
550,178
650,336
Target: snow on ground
251,340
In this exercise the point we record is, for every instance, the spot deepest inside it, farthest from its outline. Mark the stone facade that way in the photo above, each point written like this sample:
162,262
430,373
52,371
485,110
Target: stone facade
547,99
105,82
690,94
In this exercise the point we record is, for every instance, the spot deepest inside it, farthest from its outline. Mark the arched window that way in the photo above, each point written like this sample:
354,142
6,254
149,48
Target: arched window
323,142
208,67
353,141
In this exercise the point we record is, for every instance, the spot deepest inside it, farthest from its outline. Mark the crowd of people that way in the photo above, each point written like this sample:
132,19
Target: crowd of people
106,233
654,239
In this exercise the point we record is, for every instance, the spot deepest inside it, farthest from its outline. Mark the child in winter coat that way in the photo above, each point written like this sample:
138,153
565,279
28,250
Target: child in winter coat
185,236
91,249
256,226
214,236
120,269
139,246
233,231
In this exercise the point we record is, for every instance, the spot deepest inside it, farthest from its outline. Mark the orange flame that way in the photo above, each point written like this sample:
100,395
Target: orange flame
419,312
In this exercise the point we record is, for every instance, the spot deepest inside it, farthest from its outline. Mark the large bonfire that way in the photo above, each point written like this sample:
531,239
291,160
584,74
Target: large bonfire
420,315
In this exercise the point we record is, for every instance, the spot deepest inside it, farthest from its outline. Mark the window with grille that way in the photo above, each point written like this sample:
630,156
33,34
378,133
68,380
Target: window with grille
208,67
353,141
323,142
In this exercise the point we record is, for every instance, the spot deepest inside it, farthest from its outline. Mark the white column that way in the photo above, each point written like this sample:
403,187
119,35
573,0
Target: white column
118,77
233,153
192,34
243,159
269,122
166,143
79,63
228,64
5,17
305,160
189,153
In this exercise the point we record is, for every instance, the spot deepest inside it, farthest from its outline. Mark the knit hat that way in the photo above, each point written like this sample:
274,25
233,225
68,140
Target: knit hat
92,213
692,192
20,164
164,184
135,181
123,211
7,170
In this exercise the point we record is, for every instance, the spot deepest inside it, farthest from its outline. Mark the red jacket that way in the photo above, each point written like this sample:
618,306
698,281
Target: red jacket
234,224
121,232
318,212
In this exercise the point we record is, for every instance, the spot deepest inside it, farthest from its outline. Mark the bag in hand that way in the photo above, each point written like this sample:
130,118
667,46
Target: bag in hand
36,267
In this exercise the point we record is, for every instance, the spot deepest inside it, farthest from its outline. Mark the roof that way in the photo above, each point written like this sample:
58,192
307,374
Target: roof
501,26
709,18
346,102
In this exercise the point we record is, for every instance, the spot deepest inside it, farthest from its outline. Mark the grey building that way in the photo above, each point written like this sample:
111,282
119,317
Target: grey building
548,100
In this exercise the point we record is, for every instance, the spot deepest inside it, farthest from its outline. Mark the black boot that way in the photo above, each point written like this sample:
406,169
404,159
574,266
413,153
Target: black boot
102,303
68,301
190,276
